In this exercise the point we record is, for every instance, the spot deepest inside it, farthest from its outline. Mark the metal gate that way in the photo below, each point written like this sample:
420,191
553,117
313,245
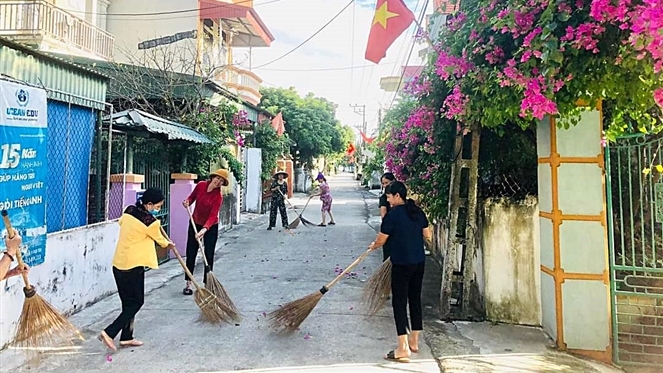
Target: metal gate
635,208
150,159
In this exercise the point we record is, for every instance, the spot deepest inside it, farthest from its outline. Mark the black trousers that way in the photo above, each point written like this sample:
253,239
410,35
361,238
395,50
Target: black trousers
209,239
406,283
280,205
131,288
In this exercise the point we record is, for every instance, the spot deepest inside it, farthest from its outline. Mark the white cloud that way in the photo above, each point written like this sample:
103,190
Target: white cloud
334,48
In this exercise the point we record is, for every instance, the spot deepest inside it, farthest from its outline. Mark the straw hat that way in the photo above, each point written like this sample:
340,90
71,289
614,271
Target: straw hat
281,172
223,174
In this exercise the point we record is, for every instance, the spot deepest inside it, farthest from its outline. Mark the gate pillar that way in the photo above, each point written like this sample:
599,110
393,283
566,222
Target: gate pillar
575,291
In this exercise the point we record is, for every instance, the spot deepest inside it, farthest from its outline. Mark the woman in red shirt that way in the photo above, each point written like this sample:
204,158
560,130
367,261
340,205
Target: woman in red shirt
208,198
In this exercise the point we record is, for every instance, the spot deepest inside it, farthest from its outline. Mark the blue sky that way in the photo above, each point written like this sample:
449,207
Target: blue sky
332,64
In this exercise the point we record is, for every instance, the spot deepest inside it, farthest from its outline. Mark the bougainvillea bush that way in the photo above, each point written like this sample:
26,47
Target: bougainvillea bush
516,61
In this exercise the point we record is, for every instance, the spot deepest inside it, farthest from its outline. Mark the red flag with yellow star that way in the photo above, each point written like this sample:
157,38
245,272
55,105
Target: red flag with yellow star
392,17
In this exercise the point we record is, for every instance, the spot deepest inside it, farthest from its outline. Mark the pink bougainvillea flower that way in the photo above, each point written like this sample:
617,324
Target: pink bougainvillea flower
658,96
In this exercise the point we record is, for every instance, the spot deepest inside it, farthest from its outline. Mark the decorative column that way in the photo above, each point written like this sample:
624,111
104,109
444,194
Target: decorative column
124,188
575,292
179,218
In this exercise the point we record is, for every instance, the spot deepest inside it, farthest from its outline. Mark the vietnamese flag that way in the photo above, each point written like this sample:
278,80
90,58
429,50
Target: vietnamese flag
351,149
392,18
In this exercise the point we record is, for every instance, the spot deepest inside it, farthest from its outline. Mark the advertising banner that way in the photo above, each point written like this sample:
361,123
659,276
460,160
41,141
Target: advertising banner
23,165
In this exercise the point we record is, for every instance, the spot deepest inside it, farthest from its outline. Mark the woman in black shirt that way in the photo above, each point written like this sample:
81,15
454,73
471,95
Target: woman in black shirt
405,227
386,179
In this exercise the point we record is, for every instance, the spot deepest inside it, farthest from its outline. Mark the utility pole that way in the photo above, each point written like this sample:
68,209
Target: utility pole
361,110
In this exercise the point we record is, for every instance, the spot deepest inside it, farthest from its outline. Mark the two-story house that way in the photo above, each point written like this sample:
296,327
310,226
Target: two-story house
204,31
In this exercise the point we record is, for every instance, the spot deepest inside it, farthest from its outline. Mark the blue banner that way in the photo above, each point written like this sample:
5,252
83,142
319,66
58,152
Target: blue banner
23,165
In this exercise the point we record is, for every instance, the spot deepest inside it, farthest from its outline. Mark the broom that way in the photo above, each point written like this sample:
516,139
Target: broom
377,289
40,323
295,222
291,315
211,309
212,283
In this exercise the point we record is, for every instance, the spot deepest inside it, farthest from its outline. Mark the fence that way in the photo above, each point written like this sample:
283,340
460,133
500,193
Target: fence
70,135
108,158
508,164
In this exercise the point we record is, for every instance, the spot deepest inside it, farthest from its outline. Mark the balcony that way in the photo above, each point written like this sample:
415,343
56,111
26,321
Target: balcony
43,25
242,82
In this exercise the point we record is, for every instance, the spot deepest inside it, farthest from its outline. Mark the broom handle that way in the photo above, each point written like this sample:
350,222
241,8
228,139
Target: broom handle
350,267
200,241
19,257
179,259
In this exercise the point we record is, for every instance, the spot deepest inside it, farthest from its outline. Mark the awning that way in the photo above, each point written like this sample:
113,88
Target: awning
252,31
137,121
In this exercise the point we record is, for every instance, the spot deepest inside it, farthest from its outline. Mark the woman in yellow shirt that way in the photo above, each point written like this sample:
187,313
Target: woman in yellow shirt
139,230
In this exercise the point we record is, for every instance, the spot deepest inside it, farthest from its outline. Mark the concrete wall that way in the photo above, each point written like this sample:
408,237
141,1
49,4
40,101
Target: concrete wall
129,31
506,269
77,272
253,182
511,260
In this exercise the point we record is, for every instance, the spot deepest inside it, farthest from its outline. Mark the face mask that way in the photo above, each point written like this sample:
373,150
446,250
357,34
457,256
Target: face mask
154,212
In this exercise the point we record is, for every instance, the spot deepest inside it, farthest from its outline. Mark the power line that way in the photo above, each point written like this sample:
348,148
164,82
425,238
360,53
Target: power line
309,38
414,42
190,10
327,68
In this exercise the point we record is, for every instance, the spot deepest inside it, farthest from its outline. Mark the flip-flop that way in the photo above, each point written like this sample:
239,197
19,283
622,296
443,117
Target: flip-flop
105,339
391,357
332,223
131,343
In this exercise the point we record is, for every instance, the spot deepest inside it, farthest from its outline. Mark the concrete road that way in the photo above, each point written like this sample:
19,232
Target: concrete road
261,269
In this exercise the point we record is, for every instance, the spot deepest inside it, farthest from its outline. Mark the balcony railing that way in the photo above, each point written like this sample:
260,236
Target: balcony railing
39,20
245,82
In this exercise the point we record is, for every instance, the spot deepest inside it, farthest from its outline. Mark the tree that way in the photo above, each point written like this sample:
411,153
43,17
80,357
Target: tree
310,122
171,83
272,146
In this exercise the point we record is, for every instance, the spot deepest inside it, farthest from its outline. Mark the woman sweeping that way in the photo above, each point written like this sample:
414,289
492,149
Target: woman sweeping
326,198
208,198
386,179
139,230
279,189
405,227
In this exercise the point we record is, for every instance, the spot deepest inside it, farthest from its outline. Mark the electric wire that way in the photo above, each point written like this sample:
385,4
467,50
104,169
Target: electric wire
307,39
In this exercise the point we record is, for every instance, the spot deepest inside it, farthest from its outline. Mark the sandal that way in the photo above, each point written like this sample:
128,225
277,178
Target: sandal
322,225
132,343
391,357
332,223
187,291
108,341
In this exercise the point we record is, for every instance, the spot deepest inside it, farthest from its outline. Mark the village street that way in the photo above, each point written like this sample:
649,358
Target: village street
262,269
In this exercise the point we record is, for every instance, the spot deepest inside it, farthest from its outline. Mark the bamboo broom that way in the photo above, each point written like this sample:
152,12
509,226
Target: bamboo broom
211,309
301,214
377,289
291,315
212,283
295,222
40,324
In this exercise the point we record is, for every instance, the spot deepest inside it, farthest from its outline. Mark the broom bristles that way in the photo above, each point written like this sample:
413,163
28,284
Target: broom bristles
294,224
377,289
291,315
41,325
215,287
211,309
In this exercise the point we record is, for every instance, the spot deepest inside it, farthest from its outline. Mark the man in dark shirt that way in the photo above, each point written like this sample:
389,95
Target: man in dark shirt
386,179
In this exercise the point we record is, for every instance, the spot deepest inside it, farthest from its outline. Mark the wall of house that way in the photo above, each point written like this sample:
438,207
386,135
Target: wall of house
76,273
511,261
129,31
506,270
